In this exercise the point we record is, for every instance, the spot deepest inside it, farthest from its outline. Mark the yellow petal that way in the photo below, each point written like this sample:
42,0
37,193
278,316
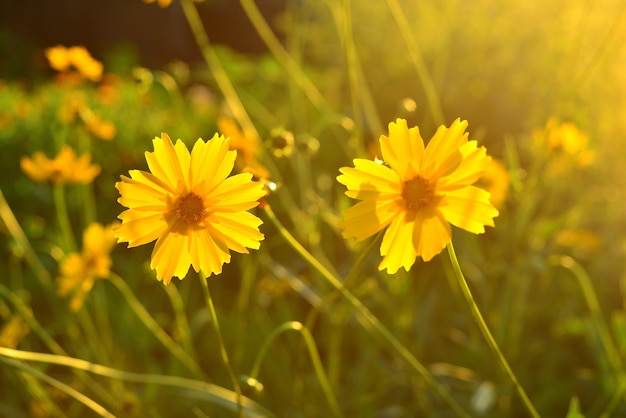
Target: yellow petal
368,179
403,149
475,162
366,218
468,208
442,153
140,227
170,256
236,230
235,194
397,247
208,255
211,163
165,162
431,235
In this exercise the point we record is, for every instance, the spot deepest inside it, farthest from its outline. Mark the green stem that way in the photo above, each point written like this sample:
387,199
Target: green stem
281,54
201,390
220,340
313,353
88,402
145,317
221,77
367,315
63,218
484,329
602,329
418,60
16,231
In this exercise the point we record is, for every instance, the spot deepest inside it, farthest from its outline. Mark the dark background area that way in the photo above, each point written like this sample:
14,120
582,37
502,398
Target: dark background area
146,33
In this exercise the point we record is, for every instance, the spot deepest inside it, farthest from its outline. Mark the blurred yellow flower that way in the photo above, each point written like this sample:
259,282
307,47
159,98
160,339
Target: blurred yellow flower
564,144
581,241
495,180
64,168
100,128
419,194
79,271
165,3
248,148
13,331
62,59
190,205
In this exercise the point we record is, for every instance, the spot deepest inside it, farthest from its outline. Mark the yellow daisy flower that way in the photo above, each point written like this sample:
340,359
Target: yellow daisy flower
190,206
419,194
64,168
80,270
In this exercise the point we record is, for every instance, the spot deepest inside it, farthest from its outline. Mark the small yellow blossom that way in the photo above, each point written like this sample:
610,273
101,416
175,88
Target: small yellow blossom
190,205
564,145
64,168
100,128
63,59
248,148
421,191
80,270
495,180
13,331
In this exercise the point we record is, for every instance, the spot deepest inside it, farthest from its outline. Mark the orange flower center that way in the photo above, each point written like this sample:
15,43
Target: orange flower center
189,208
417,193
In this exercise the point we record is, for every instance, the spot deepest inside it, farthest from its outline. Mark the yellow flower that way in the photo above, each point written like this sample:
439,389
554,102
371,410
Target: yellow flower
80,270
64,168
565,146
100,128
419,194
165,3
58,57
496,181
190,206
248,148
62,59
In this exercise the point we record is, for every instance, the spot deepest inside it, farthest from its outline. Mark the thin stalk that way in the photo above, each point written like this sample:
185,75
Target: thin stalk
313,353
145,317
16,231
602,329
182,325
63,218
85,400
220,340
418,60
484,329
218,71
202,390
367,315
280,53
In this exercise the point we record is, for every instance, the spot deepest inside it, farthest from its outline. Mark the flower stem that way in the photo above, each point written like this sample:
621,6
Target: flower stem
145,317
484,329
220,340
313,352
63,218
367,315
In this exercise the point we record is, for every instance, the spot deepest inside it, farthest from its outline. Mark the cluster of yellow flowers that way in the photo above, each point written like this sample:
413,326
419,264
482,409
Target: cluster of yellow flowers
63,59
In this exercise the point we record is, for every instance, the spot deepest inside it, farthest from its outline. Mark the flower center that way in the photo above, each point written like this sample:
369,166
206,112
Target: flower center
189,208
417,193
